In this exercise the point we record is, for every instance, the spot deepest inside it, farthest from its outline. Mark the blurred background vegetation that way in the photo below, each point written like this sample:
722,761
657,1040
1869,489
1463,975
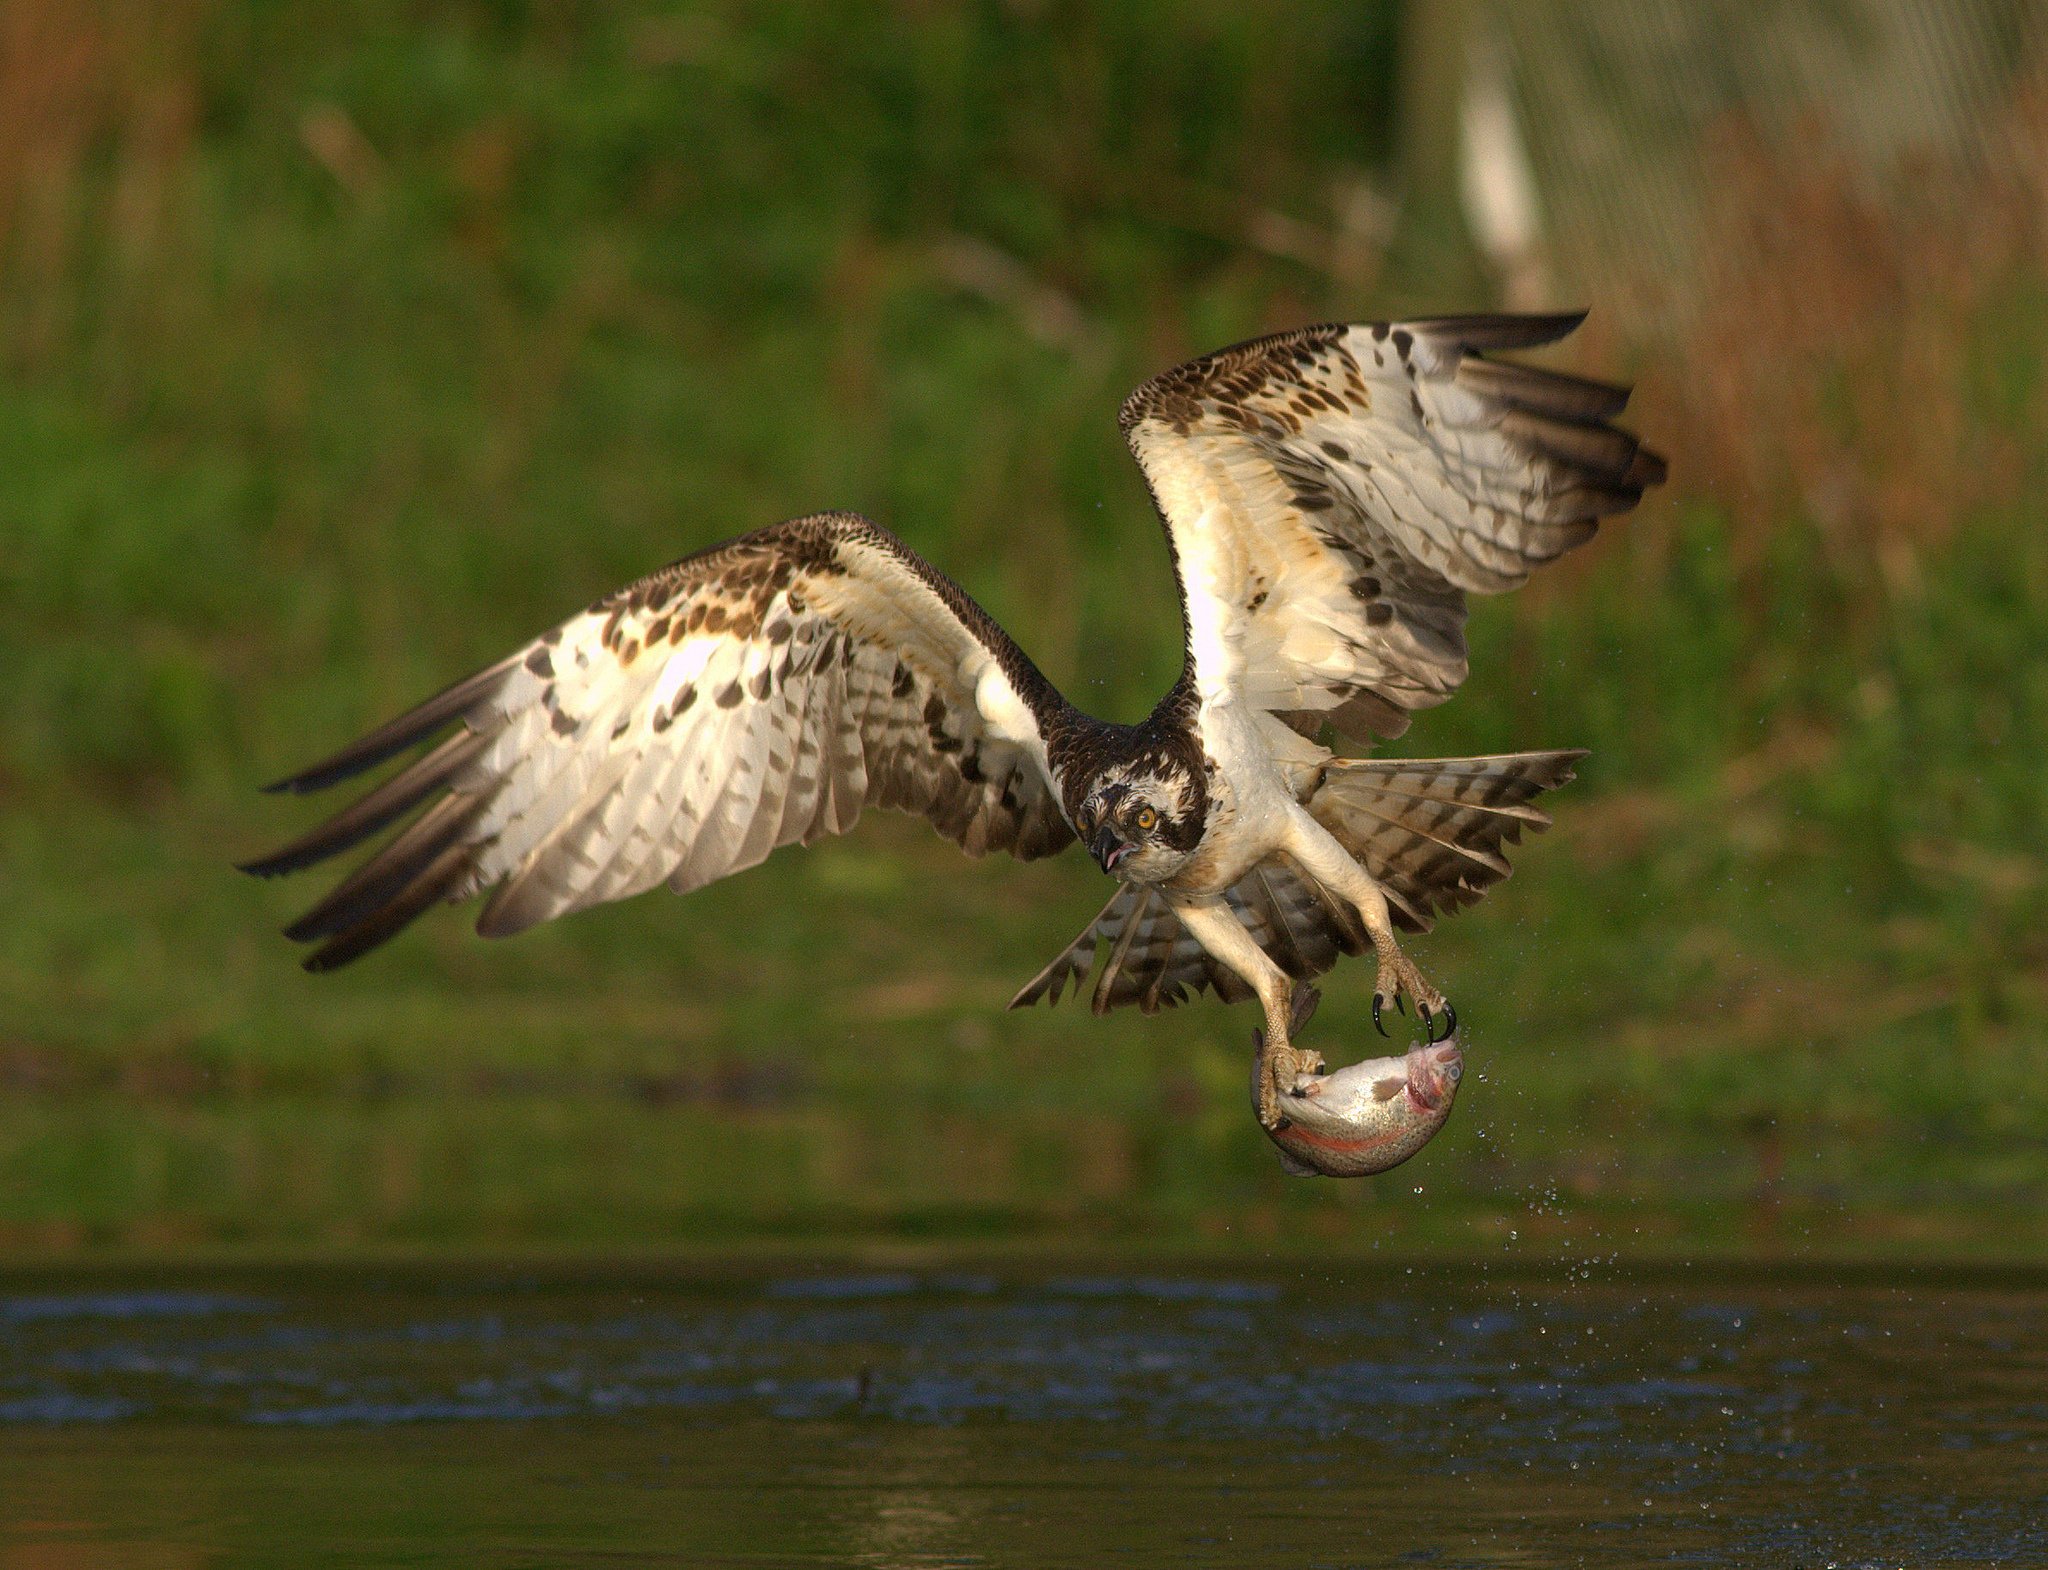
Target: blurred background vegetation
342,347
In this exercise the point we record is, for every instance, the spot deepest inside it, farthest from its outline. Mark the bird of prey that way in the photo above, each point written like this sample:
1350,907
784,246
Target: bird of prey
1330,496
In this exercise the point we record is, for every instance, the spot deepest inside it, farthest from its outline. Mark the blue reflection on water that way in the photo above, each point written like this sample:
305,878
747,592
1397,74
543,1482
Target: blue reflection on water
1804,1402
41,1307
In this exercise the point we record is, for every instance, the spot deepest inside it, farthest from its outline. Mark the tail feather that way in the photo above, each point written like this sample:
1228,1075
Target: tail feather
1072,964
1113,967
1156,963
1430,831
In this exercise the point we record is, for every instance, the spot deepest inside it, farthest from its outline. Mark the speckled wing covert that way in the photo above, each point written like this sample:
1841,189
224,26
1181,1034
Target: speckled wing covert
1331,495
754,695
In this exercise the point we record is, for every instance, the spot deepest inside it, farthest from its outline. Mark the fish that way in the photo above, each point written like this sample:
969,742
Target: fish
1368,1116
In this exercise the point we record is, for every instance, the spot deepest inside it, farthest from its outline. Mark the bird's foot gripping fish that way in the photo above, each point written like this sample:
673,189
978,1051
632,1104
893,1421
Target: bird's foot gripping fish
1361,1119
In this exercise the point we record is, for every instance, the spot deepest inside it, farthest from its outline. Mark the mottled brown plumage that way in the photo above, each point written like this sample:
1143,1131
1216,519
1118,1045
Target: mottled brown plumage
757,694
1330,496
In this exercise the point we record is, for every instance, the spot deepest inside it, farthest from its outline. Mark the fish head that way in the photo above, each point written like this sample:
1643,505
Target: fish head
1433,1074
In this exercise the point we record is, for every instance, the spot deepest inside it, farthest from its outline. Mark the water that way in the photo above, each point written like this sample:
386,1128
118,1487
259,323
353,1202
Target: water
938,1418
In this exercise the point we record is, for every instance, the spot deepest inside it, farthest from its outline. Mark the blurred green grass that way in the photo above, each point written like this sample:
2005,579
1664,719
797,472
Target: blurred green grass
324,382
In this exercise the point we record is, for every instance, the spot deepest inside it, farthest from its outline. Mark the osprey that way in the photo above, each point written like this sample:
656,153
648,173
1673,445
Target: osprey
1330,497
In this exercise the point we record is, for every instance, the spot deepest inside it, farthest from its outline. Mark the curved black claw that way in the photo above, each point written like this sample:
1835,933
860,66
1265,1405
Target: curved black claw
1376,1025
1429,1022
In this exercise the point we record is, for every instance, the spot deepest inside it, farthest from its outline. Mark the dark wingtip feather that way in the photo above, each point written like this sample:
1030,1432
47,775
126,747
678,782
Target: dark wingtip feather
387,741
387,803
1501,330
1602,453
1551,393
1588,503
394,916
386,875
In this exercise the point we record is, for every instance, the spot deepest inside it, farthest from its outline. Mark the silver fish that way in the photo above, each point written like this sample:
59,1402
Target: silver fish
1367,1117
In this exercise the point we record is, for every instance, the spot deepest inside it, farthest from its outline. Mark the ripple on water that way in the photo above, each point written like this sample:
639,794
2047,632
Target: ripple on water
1801,1416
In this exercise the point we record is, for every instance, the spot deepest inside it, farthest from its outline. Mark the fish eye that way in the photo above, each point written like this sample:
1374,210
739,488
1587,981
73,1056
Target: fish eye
1147,819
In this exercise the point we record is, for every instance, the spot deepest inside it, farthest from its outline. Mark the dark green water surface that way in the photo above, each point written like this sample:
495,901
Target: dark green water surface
961,1417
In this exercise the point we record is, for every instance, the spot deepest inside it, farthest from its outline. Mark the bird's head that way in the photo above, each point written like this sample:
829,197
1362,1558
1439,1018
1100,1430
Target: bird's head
1141,821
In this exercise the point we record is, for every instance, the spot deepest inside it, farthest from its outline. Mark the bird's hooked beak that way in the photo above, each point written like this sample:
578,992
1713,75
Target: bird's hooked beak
1109,847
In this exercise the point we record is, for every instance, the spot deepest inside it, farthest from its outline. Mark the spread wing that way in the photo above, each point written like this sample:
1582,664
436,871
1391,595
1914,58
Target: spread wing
1332,494
757,694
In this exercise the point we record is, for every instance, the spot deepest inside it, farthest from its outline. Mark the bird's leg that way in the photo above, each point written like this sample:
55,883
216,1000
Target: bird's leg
1279,1062
1276,1065
1323,858
1398,975
1275,1071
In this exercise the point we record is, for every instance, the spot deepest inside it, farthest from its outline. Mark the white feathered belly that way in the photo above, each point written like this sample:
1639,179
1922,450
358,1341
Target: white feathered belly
1259,778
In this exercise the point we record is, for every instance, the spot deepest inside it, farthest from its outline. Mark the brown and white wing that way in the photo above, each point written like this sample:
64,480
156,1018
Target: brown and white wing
1331,495
755,695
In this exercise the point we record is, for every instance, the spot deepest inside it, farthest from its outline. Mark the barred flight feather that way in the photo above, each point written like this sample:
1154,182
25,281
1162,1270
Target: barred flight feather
1331,495
755,695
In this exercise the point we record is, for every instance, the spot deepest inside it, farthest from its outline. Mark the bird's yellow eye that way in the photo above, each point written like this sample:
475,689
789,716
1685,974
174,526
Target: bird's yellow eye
1147,818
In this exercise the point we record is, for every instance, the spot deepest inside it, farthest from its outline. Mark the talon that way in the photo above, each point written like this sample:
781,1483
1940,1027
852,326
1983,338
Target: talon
1270,1115
1401,1002
1376,1025
1450,1023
